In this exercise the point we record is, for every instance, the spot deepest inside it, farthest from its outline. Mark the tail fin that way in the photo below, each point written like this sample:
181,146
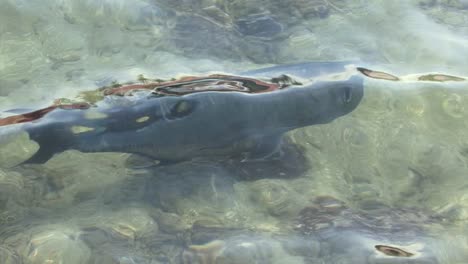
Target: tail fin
51,140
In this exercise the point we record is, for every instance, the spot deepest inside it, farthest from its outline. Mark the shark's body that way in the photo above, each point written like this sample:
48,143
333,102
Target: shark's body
209,123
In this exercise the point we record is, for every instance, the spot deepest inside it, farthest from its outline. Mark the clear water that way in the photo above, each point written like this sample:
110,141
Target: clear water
393,173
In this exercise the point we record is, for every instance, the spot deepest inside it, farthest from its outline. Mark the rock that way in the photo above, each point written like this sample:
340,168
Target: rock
274,196
128,224
15,149
454,106
246,250
311,9
218,15
197,36
203,254
8,256
259,25
14,192
170,222
58,245
427,3
302,246
240,249
459,4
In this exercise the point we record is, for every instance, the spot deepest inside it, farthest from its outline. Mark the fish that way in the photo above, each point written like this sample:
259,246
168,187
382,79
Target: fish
213,116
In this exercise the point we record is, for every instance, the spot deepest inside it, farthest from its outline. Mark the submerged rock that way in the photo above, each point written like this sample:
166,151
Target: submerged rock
198,36
451,13
259,25
15,149
71,182
289,12
275,197
206,254
170,222
8,256
427,3
454,106
306,247
11,183
247,250
218,15
239,249
128,224
380,235
459,4
55,245
309,9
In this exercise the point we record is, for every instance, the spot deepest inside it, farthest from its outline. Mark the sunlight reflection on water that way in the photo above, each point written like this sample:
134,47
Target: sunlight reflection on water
392,173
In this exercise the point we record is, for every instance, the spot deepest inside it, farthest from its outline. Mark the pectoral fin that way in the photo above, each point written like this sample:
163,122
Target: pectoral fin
41,156
265,148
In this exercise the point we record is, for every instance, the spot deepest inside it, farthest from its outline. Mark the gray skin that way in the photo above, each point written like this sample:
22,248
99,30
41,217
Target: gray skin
176,128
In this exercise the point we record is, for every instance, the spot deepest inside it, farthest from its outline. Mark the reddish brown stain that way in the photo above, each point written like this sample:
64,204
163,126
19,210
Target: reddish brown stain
393,251
185,85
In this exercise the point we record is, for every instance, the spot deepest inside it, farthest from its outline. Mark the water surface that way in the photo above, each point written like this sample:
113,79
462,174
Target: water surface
385,184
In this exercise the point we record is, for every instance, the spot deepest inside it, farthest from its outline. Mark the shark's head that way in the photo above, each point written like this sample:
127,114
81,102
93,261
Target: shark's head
344,97
319,102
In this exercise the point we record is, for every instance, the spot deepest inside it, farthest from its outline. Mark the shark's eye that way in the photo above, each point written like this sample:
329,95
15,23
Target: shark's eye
182,108
347,94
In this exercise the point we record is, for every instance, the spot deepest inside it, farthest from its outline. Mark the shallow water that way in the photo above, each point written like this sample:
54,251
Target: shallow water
384,184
